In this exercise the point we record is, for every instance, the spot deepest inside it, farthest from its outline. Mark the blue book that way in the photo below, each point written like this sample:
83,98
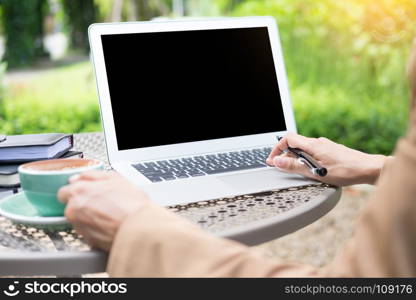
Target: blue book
30,147
9,177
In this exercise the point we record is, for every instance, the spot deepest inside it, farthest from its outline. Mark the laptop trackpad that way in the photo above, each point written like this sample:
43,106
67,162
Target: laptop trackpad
263,180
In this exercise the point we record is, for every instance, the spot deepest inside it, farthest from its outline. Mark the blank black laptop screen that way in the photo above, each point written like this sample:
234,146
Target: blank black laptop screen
176,87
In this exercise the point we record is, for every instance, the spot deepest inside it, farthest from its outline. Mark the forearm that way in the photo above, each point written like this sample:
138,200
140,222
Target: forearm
372,165
384,242
157,243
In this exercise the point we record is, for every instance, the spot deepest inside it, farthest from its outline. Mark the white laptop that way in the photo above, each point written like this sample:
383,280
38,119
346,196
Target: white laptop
191,108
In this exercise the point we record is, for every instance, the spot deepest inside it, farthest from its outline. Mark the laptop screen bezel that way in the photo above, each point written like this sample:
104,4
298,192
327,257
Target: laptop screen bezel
190,148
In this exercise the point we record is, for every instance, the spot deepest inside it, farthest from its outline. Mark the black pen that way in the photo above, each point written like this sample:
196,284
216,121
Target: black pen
306,159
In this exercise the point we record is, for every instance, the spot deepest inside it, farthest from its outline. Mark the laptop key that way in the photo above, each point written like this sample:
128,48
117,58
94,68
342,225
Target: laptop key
139,167
154,179
197,174
202,165
240,168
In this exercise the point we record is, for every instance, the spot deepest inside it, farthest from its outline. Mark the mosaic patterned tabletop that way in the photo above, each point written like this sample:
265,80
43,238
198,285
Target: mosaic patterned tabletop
215,216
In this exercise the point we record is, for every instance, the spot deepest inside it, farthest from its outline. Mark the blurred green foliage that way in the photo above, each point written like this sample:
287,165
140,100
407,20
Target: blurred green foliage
346,65
62,100
78,16
345,62
23,30
2,114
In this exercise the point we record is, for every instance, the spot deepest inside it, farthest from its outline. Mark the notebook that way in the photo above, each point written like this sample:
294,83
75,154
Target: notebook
9,176
29,147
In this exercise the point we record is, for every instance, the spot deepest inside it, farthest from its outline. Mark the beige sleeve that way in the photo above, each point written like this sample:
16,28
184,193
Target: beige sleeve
384,243
155,242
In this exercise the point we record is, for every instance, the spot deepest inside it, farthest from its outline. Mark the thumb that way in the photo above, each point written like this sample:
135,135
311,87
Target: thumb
290,164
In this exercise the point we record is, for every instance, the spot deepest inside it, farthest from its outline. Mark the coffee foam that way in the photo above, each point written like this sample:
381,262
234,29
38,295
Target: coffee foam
58,165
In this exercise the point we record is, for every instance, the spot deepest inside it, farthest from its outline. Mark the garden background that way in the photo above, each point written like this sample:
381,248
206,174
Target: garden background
345,61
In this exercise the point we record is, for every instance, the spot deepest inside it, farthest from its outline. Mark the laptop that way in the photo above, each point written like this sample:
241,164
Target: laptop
191,108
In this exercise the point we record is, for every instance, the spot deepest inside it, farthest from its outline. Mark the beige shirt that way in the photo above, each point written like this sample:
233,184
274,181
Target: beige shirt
156,242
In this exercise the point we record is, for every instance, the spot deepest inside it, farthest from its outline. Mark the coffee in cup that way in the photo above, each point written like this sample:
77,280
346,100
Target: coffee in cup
41,180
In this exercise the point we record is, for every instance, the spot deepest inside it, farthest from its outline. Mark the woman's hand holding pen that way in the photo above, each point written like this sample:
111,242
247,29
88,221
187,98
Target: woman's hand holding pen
345,166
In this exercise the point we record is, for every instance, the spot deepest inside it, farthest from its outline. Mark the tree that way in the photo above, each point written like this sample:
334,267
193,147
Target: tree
139,10
23,30
2,109
79,15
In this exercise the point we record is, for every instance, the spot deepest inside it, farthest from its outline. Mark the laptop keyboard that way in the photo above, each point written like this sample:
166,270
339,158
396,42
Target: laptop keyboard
164,170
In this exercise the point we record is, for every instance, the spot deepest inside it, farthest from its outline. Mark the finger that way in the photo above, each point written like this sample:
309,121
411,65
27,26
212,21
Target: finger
290,140
65,193
75,209
91,175
69,191
292,165
283,154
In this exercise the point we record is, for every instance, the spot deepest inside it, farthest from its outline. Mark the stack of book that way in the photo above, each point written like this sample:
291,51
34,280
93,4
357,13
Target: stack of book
18,149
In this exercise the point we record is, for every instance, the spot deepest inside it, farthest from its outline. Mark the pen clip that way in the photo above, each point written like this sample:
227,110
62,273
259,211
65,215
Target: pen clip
314,170
306,162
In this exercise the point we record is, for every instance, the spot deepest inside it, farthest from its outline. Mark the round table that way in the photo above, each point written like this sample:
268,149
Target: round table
250,219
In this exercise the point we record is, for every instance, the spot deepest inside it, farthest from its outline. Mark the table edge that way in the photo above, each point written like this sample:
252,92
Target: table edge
262,231
95,261
21,264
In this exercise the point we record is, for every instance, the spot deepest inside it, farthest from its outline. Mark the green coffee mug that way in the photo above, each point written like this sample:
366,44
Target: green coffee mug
41,181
